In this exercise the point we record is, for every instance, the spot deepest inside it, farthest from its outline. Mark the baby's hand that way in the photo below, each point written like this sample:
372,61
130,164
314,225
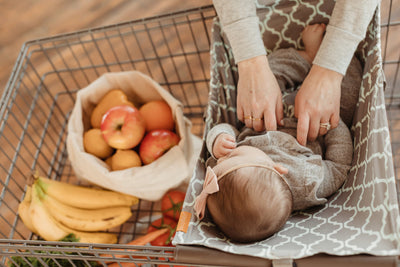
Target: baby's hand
223,145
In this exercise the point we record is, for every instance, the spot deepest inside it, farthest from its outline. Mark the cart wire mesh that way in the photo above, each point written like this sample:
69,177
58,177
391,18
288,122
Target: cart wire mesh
390,32
174,50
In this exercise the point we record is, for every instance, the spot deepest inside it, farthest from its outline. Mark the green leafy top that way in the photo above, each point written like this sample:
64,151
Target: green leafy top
18,261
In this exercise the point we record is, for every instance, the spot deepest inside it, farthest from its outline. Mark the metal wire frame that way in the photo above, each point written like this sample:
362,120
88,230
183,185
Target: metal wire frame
41,91
85,252
390,58
390,26
89,253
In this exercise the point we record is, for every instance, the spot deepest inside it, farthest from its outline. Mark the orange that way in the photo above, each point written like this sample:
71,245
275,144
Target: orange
157,115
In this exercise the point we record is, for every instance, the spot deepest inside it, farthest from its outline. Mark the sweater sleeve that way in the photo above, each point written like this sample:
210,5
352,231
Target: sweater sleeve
240,23
217,130
337,159
346,29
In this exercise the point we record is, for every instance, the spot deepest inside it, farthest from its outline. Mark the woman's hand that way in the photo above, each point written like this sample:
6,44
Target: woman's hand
317,101
223,145
259,98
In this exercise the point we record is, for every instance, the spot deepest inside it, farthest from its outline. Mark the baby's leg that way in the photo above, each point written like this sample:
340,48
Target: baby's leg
312,37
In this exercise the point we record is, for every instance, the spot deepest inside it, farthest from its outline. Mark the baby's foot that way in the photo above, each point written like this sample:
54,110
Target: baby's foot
312,37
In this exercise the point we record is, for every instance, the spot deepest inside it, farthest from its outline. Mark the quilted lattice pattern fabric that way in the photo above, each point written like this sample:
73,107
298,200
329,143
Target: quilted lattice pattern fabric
363,216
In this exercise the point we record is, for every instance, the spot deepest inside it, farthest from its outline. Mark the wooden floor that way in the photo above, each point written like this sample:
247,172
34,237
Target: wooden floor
33,19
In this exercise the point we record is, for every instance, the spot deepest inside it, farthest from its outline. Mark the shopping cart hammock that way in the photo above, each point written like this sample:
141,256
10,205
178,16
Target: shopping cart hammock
363,216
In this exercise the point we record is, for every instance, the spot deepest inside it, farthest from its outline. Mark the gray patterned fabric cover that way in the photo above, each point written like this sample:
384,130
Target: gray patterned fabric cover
363,216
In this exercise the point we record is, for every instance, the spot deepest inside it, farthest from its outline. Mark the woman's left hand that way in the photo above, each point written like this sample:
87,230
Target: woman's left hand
317,101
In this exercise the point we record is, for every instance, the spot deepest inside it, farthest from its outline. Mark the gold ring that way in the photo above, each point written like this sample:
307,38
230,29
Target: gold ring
248,117
325,125
257,119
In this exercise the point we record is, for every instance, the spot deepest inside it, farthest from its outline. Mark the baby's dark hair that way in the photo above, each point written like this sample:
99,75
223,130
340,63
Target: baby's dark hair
252,204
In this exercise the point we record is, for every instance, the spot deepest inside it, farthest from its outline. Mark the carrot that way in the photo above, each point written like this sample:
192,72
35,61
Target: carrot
140,241
147,238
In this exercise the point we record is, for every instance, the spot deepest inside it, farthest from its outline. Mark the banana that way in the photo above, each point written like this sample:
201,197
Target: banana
42,221
23,210
51,230
84,219
92,237
84,197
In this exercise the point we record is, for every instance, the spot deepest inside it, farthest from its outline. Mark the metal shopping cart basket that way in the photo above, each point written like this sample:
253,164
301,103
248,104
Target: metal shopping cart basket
174,50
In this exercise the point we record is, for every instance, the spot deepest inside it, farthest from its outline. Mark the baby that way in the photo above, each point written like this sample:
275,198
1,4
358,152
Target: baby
255,180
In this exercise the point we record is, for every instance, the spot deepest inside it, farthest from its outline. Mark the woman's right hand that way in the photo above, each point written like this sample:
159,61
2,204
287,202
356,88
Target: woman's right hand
259,98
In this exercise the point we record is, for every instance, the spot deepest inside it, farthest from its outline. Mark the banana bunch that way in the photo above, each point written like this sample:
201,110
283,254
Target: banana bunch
53,209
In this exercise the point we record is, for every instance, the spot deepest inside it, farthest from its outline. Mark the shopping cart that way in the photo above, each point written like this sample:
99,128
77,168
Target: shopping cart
174,50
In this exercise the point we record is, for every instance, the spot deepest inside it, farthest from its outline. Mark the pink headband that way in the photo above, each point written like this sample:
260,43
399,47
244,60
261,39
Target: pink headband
210,185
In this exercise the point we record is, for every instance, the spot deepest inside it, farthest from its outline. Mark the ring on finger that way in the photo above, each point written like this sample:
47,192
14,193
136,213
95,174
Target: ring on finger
325,125
248,117
257,119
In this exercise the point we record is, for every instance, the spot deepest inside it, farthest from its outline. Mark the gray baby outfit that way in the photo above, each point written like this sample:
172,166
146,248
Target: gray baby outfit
319,169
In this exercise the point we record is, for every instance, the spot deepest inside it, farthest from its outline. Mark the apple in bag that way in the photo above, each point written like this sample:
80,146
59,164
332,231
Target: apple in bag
156,143
122,127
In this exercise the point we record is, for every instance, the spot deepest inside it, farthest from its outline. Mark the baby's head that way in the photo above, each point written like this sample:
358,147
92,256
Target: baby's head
252,204
253,201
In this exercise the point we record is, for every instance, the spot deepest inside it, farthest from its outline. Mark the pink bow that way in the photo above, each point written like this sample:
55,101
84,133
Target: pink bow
210,186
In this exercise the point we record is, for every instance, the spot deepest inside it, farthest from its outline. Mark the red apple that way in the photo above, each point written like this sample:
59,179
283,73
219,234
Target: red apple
123,127
156,143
